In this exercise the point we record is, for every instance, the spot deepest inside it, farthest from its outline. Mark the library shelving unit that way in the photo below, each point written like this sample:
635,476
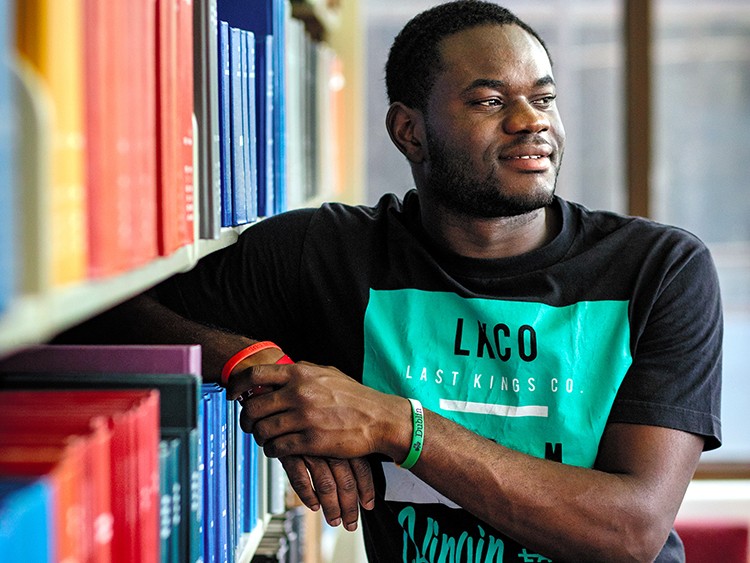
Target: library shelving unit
37,308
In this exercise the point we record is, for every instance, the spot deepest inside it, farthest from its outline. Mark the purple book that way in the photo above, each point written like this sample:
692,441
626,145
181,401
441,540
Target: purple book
109,358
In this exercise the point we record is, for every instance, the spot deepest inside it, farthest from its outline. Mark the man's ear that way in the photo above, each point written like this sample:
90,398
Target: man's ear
407,130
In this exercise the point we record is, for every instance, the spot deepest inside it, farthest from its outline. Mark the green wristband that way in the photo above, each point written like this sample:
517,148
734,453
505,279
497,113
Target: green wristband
417,437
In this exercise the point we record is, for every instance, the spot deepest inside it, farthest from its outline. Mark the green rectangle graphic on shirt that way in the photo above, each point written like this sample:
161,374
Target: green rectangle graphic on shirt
536,378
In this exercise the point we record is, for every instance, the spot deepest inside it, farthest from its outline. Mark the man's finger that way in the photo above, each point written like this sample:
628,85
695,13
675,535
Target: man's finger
256,377
346,489
325,488
365,486
299,479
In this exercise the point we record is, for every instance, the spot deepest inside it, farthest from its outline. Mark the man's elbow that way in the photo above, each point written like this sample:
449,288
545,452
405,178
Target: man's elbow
643,535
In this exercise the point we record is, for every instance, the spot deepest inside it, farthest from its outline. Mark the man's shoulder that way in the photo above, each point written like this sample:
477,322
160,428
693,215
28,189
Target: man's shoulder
356,220
388,203
619,228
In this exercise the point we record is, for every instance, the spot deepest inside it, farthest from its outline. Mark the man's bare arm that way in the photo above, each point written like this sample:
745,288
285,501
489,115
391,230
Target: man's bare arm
622,510
337,486
143,320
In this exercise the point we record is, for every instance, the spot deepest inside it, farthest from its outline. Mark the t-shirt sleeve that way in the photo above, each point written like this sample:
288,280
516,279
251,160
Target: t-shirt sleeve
250,287
675,378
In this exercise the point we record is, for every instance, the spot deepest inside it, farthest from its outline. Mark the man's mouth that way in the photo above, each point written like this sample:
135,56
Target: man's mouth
528,162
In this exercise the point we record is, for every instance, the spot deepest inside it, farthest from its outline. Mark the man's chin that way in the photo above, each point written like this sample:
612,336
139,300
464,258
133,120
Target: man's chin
502,206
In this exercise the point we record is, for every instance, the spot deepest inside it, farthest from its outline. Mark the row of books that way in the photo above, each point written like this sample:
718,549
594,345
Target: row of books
117,163
115,132
178,483
315,118
96,455
250,105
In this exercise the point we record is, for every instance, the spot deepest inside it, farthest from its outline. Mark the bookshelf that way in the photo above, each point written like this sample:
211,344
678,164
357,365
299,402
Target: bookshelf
39,309
38,305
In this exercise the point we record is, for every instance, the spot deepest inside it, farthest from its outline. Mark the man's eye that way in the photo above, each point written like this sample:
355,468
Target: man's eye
491,103
546,101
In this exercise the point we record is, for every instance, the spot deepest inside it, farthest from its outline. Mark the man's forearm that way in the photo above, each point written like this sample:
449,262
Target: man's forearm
143,320
618,513
622,510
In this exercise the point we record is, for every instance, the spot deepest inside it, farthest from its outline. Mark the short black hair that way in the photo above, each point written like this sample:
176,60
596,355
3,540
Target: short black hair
414,58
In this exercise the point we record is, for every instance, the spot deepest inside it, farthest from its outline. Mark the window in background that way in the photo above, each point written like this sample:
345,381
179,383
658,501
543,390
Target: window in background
701,167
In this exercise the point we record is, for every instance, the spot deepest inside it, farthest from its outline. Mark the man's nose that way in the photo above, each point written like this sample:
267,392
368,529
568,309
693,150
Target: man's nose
523,117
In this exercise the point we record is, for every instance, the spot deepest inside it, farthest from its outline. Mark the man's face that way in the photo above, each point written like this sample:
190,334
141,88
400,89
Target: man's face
494,136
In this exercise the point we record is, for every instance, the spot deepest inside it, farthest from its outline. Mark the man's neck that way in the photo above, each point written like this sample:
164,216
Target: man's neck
497,237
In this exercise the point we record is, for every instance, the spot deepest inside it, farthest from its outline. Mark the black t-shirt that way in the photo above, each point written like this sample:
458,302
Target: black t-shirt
616,319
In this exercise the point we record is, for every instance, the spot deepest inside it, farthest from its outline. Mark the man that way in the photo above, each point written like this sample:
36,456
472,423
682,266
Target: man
567,361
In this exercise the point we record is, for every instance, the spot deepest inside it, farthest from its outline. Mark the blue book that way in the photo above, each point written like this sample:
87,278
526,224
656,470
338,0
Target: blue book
266,19
210,488
237,472
26,520
248,521
261,119
239,146
225,128
8,136
216,512
252,483
266,199
223,478
252,162
198,502
279,15
252,212
252,89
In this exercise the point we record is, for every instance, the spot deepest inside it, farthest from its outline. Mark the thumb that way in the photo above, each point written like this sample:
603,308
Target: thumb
257,380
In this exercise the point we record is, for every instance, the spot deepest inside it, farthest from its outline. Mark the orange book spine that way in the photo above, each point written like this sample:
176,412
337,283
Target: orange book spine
50,36
139,43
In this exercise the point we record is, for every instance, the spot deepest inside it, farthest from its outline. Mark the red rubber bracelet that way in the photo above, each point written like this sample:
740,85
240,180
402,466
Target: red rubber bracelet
246,353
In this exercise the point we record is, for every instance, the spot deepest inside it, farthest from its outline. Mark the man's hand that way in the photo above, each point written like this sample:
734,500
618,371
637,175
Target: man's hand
338,486
319,411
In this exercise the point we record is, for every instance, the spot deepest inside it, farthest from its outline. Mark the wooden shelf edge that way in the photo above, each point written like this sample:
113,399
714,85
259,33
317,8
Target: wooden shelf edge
37,317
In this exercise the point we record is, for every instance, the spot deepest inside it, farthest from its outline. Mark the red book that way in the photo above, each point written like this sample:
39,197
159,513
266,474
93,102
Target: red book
168,180
133,418
96,516
185,119
60,466
78,366
120,118
105,252
141,44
